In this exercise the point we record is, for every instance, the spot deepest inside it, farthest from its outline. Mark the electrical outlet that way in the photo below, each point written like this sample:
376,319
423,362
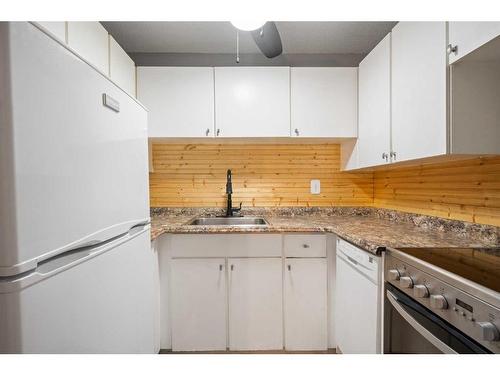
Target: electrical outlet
315,186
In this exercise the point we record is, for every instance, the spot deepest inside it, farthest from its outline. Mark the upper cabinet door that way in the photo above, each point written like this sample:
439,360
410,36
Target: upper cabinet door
324,102
56,28
467,36
90,40
374,132
180,100
252,101
121,67
419,90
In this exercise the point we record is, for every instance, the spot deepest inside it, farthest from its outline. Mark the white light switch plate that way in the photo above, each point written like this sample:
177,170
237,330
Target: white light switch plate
315,187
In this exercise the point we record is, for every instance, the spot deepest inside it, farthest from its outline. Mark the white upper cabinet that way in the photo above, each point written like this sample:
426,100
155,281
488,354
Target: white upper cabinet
374,132
419,90
90,40
180,100
56,28
121,67
467,36
252,101
324,102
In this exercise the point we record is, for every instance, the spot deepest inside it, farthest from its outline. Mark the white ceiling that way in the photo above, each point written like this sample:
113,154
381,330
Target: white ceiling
220,37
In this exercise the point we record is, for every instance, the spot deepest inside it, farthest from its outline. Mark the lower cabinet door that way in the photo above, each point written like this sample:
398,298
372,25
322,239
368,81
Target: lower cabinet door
255,304
305,291
198,297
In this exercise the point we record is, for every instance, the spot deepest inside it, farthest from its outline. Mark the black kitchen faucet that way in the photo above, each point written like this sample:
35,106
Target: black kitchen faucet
229,191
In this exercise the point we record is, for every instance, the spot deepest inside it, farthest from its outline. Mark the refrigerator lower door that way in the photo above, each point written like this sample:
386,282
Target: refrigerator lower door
106,303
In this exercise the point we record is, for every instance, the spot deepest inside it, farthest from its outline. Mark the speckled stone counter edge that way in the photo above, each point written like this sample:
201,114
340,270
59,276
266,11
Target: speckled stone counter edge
464,229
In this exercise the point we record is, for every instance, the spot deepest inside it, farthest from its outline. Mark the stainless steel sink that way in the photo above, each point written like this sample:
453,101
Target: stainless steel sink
245,221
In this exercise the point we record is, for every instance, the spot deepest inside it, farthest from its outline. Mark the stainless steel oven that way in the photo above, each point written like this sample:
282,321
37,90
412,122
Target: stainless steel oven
429,308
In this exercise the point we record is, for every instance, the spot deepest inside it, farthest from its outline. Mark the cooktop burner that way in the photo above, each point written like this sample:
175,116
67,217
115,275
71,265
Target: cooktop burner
480,265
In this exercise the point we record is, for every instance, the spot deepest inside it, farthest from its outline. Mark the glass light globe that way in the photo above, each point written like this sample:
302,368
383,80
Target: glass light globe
248,25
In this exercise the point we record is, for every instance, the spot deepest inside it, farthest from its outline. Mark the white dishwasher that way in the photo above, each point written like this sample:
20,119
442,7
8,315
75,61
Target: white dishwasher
357,318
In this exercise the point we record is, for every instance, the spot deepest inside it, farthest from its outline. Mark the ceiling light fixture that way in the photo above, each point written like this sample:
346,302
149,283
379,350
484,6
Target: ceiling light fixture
248,25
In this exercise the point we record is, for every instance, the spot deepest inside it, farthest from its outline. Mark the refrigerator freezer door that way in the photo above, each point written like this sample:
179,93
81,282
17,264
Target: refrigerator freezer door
72,170
106,304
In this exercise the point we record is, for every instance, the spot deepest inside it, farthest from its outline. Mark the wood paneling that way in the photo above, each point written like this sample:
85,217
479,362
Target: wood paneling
464,190
266,174
263,175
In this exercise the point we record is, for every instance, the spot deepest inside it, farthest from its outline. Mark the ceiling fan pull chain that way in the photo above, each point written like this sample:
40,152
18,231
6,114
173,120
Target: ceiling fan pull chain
237,47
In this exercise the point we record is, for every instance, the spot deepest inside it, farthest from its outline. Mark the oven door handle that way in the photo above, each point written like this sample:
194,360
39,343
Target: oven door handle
418,327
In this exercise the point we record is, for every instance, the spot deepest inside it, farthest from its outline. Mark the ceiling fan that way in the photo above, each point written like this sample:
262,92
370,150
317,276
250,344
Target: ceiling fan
265,35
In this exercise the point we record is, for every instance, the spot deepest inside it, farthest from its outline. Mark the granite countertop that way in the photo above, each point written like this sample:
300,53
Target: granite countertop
369,228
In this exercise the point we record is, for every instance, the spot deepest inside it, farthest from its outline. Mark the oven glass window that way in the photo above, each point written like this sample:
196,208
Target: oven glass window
402,337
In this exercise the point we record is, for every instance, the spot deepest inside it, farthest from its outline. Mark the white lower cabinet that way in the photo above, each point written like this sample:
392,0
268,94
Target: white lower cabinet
255,304
198,304
239,292
305,290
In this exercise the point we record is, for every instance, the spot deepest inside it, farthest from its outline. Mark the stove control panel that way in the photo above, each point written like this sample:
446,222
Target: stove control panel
469,314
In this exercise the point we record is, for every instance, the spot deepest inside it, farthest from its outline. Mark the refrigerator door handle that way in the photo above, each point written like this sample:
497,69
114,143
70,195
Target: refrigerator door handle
68,259
138,228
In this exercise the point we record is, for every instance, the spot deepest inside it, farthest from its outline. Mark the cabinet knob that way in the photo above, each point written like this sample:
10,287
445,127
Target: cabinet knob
207,132
393,155
221,267
289,267
296,132
305,246
452,49
385,156
232,267
218,132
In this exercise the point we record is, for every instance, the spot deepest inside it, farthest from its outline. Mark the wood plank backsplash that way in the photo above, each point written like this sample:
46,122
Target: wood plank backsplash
265,174
194,175
466,190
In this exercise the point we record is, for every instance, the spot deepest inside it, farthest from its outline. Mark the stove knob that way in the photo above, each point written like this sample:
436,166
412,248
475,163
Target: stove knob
438,302
394,275
420,291
406,282
489,332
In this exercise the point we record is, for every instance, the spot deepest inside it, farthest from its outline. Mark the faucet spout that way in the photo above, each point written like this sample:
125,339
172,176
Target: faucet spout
229,191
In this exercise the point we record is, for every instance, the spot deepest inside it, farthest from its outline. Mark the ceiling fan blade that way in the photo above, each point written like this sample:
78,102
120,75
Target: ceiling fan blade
268,40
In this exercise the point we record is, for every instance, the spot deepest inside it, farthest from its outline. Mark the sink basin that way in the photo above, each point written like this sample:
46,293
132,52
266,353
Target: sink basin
245,221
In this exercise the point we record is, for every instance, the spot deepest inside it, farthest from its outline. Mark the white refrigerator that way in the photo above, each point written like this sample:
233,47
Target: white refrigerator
77,272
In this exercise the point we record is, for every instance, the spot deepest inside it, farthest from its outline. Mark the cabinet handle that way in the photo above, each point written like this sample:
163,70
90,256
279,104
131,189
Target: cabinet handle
207,132
452,49
393,155
218,132
232,267
296,132
305,246
289,267
385,156
221,267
